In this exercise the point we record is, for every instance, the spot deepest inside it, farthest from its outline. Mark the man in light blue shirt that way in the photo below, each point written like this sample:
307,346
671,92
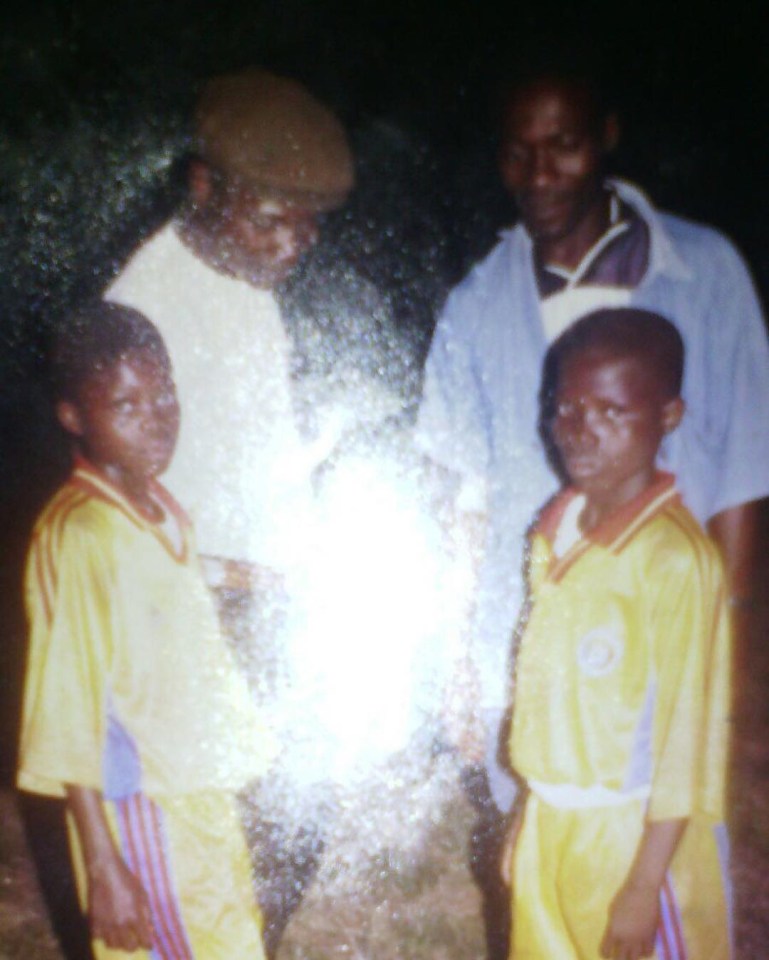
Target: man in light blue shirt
585,242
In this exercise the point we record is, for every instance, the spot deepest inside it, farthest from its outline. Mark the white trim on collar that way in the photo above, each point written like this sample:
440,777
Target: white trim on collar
663,256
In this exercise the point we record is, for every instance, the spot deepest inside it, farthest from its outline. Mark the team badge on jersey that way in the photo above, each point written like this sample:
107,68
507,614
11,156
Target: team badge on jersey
600,650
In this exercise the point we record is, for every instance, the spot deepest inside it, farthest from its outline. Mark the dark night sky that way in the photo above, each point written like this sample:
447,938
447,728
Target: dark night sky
96,99
97,96
95,105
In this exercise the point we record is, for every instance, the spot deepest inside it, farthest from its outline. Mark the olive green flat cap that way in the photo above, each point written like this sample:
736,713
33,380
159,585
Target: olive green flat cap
272,133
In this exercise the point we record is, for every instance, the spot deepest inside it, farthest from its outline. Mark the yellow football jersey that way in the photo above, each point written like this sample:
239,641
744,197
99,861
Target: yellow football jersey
622,677
129,684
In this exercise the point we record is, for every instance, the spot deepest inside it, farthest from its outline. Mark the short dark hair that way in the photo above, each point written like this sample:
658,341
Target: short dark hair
94,338
626,332
564,64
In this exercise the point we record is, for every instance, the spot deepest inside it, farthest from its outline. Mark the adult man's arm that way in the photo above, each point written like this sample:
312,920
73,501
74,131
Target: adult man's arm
737,532
451,435
738,392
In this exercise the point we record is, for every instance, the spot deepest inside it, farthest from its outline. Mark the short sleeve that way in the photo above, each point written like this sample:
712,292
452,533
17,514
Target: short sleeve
690,639
64,714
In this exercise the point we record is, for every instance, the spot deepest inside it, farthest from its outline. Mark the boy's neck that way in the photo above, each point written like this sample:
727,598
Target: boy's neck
147,504
137,490
601,504
140,496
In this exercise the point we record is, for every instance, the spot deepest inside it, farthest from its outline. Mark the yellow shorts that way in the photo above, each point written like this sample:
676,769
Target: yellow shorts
191,857
569,864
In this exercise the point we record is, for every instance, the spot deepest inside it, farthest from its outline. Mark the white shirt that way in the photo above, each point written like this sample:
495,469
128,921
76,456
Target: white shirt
578,298
239,468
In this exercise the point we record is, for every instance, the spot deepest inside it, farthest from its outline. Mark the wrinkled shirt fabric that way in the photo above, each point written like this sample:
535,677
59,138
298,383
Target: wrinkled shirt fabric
480,407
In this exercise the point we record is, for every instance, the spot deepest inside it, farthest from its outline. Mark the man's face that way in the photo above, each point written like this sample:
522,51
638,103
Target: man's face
257,239
126,417
552,154
610,417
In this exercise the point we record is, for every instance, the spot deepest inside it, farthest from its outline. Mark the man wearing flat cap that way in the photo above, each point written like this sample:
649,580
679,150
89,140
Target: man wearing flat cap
254,359
270,160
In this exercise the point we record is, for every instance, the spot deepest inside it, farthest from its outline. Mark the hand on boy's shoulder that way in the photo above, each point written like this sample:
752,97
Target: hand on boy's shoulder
237,576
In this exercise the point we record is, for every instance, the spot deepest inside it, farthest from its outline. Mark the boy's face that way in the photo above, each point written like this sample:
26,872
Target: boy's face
126,417
611,415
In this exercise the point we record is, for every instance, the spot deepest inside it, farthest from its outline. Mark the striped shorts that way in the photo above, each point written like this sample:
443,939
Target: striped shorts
191,858
570,863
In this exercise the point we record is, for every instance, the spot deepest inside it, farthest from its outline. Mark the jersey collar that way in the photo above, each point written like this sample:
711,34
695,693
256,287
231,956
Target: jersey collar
616,531
90,478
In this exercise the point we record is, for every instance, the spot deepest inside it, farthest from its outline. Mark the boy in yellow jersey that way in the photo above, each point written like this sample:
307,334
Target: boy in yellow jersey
133,707
621,688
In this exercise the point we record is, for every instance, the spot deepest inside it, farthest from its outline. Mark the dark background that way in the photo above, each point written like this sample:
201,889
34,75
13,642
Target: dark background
96,100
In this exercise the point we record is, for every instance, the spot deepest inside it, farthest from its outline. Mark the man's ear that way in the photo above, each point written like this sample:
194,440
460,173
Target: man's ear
672,414
68,416
200,181
611,132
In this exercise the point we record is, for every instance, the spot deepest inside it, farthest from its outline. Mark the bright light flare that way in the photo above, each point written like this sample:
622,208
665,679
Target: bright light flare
378,605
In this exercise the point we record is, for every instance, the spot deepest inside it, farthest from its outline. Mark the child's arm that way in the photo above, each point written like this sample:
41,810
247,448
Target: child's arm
118,908
511,838
634,912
